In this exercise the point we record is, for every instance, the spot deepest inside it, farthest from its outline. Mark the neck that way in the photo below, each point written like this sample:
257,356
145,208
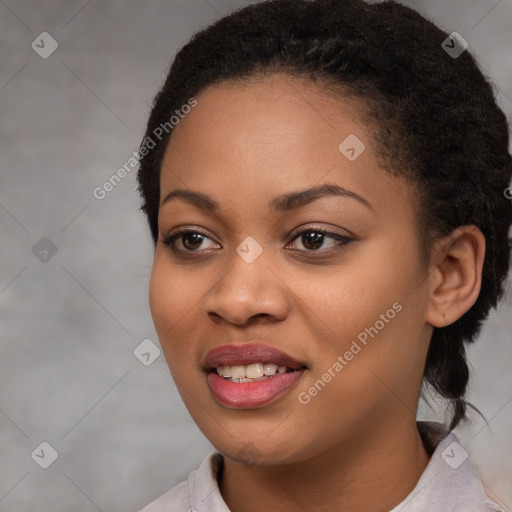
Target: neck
374,472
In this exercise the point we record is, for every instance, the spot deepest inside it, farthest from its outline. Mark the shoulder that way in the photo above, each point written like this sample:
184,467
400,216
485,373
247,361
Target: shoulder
450,482
199,492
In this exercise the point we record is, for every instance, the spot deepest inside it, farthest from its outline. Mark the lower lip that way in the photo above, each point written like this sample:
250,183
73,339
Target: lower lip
248,395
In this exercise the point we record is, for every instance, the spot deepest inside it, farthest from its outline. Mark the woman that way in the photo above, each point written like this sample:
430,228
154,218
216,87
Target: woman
324,184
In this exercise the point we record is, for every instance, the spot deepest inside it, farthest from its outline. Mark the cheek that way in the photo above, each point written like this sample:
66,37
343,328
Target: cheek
172,297
376,302
351,298
161,298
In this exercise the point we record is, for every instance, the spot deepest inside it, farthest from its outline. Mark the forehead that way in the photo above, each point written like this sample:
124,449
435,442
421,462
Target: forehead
244,142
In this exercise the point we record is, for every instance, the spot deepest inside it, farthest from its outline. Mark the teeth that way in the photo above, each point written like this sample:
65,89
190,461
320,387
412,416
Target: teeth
240,373
254,371
270,369
224,371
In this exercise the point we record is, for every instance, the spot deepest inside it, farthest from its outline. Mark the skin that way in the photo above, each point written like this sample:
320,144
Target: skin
355,445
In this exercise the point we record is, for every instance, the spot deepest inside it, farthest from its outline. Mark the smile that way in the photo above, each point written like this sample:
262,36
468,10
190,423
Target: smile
251,372
251,375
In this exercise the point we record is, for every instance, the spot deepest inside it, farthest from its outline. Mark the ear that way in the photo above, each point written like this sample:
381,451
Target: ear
455,275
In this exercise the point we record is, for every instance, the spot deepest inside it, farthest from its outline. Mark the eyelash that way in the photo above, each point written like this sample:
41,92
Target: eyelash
343,240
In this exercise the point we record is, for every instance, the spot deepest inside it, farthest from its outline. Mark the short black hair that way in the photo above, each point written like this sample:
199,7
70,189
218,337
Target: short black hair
436,123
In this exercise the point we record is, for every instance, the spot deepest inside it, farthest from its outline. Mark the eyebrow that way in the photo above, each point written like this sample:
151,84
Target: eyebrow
284,202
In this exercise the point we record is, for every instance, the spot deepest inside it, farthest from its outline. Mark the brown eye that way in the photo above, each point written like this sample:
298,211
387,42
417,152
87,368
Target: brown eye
314,238
191,240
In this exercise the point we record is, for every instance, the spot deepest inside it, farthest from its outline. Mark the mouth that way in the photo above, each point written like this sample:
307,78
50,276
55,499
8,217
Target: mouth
253,372
251,375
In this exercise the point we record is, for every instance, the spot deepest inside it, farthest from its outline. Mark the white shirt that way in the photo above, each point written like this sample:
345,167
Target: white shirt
449,483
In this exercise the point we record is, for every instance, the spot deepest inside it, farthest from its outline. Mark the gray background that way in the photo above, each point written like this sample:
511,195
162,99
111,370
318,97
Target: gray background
69,326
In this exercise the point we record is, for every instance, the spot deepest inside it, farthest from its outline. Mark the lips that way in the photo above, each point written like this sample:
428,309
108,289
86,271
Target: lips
244,393
249,353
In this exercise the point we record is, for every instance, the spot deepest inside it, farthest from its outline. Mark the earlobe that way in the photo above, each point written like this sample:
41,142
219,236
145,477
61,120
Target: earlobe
455,275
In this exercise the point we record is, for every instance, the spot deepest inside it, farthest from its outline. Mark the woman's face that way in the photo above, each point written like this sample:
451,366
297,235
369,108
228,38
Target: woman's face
349,312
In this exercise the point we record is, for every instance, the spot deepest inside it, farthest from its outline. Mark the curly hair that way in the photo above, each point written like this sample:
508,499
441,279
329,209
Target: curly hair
434,119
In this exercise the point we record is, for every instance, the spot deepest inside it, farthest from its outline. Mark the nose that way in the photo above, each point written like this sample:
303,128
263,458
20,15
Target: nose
248,292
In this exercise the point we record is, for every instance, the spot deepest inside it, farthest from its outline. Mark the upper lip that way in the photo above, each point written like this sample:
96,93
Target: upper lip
249,353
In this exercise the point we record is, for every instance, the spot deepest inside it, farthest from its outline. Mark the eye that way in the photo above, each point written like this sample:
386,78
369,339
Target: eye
313,238
190,239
